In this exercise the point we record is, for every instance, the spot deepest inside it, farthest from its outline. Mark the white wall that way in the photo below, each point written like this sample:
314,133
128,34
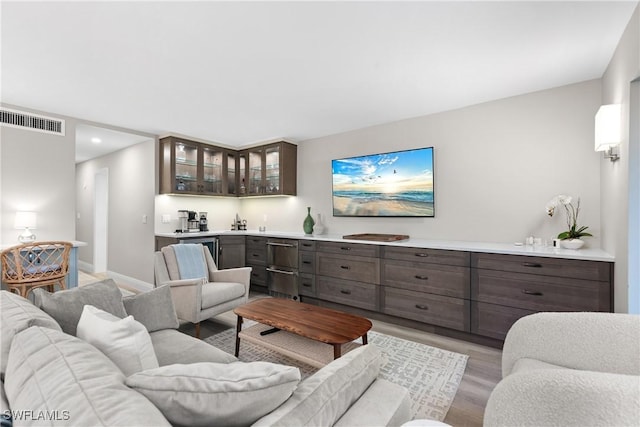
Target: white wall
614,177
37,174
132,178
220,210
496,166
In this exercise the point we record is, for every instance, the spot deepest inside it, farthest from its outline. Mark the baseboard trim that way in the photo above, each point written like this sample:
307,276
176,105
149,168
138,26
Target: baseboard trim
85,266
136,284
131,282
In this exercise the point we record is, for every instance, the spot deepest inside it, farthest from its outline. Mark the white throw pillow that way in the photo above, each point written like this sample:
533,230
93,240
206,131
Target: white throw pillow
125,341
324,397
206,394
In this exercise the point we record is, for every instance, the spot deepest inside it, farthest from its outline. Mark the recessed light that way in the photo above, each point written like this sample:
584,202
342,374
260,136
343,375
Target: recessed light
96,140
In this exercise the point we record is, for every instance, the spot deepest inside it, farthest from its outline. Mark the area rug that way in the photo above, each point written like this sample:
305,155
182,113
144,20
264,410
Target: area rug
431,375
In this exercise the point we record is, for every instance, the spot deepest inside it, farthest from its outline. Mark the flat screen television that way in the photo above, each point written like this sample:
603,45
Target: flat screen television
396,184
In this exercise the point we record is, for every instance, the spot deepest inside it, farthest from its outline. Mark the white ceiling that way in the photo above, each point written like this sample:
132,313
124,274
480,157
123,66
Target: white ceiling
94,141
237,73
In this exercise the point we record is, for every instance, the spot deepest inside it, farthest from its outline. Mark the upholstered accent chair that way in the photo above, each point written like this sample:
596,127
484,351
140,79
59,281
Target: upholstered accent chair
200,298
569,369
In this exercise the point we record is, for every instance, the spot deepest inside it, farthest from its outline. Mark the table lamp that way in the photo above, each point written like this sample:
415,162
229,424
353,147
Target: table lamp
27,221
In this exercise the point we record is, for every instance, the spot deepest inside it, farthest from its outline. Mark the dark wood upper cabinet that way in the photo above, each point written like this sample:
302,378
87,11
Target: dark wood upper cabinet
189,167
268,170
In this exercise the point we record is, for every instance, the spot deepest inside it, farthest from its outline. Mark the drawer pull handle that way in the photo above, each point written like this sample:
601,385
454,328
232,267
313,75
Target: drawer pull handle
345,267
345,292
306,262
421,255
306,285
531,264
417,276
345,248
275,270
536,293
284,245
422,307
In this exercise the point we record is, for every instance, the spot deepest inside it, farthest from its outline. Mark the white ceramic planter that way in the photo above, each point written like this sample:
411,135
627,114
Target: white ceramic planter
572,243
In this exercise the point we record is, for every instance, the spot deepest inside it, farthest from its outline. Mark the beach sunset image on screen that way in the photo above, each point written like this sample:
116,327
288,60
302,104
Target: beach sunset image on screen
394,184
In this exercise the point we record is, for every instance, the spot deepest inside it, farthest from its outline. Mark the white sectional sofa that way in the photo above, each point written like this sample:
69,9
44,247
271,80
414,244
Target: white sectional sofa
51,377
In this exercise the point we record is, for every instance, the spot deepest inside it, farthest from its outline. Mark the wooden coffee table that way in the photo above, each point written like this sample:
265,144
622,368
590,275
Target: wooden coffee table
317,323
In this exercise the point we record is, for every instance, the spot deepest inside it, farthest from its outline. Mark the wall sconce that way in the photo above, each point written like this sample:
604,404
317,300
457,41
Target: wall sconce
26,221
608,133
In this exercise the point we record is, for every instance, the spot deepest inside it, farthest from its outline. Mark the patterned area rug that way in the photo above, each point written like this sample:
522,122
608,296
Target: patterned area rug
431,375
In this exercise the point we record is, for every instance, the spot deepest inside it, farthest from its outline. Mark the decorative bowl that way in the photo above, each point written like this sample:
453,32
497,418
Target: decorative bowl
572,243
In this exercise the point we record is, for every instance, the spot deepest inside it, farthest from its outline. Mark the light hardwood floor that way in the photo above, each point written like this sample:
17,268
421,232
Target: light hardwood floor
482,373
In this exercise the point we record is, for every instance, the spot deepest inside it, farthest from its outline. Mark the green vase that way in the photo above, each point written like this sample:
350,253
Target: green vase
308,223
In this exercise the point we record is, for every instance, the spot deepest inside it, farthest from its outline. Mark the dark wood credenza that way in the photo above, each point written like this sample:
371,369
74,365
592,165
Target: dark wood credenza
469,295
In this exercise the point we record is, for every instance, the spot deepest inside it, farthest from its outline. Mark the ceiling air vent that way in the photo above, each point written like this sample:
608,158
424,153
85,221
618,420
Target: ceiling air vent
36,122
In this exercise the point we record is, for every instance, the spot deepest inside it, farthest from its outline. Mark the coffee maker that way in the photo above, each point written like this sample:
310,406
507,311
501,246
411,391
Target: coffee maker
203,221
183,221
194,222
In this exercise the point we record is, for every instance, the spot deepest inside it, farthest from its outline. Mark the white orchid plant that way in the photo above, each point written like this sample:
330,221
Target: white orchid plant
572,212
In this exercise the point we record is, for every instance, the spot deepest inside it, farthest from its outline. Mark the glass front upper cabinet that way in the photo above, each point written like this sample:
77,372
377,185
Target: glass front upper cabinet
255,173
186,167
232,177
189,167
212,166
242,173
272,169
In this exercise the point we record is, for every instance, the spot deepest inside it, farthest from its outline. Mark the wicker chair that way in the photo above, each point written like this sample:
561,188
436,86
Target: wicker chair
34,265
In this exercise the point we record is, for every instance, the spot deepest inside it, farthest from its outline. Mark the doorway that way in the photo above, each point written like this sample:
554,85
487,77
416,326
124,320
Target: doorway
100,220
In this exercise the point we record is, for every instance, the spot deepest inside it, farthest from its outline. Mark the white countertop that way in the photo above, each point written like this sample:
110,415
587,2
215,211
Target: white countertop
495,248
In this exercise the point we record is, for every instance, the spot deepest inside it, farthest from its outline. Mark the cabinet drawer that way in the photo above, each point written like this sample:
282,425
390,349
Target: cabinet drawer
349,248
231,240
307,245
307,285
307,262
361,269
491,320
257,243
539,293
259,275
257,256
438,310
446,280
576,269
347,292
431,256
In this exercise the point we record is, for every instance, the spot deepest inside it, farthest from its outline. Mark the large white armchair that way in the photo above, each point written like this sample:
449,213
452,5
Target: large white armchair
201,298
569,369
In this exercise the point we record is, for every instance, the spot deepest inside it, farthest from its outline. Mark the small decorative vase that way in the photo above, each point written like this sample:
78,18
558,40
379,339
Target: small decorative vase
572,243
308,223
319,228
